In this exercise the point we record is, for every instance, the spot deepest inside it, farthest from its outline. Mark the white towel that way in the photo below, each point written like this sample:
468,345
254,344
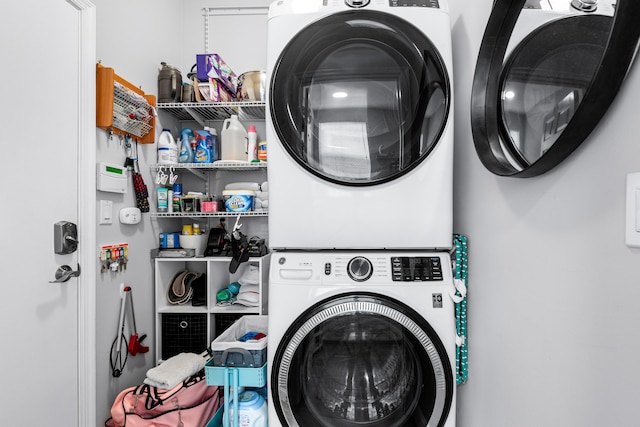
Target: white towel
253,186
250,299
174,370
250,276
262,195
264,186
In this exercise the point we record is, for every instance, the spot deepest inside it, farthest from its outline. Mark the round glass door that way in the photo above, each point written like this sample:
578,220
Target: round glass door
359,97
361,360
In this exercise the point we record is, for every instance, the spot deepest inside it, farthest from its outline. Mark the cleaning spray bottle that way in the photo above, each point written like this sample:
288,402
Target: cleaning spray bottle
186,153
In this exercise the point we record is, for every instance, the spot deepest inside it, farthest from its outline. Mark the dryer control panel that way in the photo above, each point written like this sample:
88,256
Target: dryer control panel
410,269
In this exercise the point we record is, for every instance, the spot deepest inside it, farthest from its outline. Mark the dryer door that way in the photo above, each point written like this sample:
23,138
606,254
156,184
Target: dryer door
361,360
359,97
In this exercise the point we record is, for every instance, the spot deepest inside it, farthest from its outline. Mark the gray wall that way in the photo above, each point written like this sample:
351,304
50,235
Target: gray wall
552,314
553,288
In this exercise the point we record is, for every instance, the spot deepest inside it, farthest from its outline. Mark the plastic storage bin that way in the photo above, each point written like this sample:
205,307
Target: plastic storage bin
228,351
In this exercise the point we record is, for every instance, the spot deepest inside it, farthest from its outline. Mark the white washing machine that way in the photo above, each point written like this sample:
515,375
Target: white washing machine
553,52
359,124
361,339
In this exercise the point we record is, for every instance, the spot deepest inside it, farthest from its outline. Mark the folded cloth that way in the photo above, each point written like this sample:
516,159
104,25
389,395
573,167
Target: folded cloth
250,275
249,288
265,204
174,370
264,186
254,186
262,195
250,299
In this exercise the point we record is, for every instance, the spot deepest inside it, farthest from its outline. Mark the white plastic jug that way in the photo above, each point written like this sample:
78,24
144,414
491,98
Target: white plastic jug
233,140
167,148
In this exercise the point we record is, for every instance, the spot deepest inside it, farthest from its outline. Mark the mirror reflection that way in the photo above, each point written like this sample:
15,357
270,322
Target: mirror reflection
552,56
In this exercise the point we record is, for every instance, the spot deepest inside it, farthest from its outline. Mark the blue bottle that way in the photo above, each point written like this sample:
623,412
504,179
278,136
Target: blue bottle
186,154
203,153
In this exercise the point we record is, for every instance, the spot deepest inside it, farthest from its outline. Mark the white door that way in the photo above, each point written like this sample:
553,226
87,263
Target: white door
43,120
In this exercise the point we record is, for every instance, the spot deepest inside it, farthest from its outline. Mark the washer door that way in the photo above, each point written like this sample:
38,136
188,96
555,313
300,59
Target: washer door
359,98
361,360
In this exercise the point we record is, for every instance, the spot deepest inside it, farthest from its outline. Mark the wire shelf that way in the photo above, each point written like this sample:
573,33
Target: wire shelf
262,213
209,111
224,165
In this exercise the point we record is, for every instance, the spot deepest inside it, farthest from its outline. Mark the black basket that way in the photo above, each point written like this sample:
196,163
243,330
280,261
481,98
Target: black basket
183,333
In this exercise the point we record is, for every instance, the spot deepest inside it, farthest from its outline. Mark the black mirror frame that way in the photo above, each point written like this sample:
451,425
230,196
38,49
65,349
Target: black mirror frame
616,61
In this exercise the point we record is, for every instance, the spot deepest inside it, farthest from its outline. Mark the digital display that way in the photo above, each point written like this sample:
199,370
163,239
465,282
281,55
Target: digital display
114,170
421,269
414,3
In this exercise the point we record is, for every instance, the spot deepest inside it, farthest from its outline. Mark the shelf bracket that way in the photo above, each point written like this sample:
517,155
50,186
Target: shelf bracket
197,117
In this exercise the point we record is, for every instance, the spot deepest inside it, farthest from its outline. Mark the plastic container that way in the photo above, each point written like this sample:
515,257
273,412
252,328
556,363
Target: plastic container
234,140
167,148
252,410
262,151
163,199
214,146
238,200
252,146
228,350
203,153
186,152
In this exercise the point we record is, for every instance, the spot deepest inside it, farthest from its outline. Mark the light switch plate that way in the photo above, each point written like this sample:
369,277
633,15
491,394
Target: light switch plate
632,221
106,212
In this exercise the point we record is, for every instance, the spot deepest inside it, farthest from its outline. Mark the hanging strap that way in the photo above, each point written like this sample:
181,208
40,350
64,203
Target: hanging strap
459,296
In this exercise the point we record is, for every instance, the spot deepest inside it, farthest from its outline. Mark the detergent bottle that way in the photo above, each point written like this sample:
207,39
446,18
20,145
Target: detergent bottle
252,146
252,409
186,153
234,140
214,147
202,154
167,148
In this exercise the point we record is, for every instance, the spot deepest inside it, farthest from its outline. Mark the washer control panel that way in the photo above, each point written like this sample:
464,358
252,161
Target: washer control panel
411,269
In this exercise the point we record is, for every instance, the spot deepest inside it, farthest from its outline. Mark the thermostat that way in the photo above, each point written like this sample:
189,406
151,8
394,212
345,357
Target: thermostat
111,178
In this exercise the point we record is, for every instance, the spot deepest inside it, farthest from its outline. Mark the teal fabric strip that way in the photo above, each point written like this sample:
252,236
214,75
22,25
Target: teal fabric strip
460,272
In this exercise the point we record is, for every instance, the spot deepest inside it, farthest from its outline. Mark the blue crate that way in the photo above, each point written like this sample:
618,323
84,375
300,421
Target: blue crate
247,377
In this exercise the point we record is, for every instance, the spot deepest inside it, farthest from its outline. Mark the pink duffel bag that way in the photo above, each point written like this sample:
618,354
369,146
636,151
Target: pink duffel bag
191,403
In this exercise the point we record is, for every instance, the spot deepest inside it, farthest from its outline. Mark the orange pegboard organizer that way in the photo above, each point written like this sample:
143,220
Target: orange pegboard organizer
123,108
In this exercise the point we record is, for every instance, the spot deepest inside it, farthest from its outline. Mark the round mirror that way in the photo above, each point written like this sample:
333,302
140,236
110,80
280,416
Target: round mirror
547,71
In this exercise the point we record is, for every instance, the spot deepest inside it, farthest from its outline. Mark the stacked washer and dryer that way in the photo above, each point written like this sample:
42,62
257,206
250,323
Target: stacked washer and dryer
360,137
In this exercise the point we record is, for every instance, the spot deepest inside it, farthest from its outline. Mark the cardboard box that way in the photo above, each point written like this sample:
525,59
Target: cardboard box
211,66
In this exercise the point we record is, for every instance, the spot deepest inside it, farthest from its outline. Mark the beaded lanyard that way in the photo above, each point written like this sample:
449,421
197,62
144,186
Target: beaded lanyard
460,275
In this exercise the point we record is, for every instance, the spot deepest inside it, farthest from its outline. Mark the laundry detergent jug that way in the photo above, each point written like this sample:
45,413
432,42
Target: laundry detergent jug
233,140
186,153
167,148
252,410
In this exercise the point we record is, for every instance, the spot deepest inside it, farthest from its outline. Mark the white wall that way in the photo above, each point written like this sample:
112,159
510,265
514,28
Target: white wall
132,38
553,288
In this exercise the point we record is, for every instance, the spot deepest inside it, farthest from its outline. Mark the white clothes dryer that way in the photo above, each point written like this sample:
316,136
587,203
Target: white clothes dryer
361,339
359,124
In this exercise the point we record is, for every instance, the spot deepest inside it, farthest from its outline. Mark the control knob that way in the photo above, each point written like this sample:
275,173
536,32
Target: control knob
585,5
357,3
359,269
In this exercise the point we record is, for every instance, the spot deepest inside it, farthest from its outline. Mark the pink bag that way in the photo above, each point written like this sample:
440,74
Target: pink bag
190,404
